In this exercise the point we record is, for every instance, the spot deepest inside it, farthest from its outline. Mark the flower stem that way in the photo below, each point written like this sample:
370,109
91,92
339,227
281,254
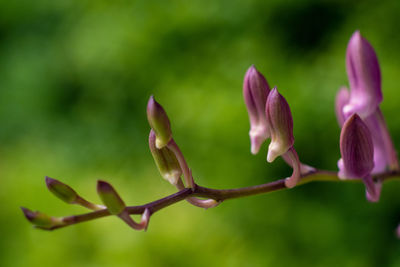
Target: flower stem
218,195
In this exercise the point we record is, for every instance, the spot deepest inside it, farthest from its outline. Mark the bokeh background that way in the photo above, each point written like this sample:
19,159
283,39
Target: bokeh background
75,77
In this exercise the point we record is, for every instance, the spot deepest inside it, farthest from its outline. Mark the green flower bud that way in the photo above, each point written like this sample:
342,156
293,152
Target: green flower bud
61,190
110,198
165,160
40,219
159,122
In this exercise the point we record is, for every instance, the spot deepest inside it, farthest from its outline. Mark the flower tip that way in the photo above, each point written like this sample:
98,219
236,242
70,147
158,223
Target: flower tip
29,215
276,97
252,73
48,180
355,118
51,182
255,86
356,40
251,70
159,122
39,219
150,104
272,154
257,137
356,35
255,148
103,186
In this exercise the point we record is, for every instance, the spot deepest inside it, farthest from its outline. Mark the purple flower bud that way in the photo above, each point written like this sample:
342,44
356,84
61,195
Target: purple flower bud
356,149
280,123
159,122
110,198
364,76
342,98
255,93
61,190
166,161
41,220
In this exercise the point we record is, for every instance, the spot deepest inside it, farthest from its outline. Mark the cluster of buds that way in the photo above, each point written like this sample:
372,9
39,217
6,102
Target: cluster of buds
169,161
110,198
365,143
270,117
167,155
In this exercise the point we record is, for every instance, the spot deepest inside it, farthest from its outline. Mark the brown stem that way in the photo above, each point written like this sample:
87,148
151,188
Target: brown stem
217,194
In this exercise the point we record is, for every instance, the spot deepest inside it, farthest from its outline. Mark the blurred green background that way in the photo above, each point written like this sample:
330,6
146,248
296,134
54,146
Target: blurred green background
75,77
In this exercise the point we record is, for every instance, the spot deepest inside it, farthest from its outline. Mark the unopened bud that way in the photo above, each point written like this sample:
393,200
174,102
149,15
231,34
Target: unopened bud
40,219
61,190
356,149
165,160
280,123
255,93
364,76
110,198
159,122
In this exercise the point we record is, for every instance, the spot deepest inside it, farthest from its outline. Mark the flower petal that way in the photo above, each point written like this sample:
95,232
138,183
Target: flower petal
365,77
356,148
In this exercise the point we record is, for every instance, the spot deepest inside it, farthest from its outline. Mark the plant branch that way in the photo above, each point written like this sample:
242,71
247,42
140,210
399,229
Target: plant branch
218,195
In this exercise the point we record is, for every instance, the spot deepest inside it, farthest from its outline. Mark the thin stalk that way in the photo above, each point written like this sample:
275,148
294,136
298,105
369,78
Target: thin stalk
219,195
182,163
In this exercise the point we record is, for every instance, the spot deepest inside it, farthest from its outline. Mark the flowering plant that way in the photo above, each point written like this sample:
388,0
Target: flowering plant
367,151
